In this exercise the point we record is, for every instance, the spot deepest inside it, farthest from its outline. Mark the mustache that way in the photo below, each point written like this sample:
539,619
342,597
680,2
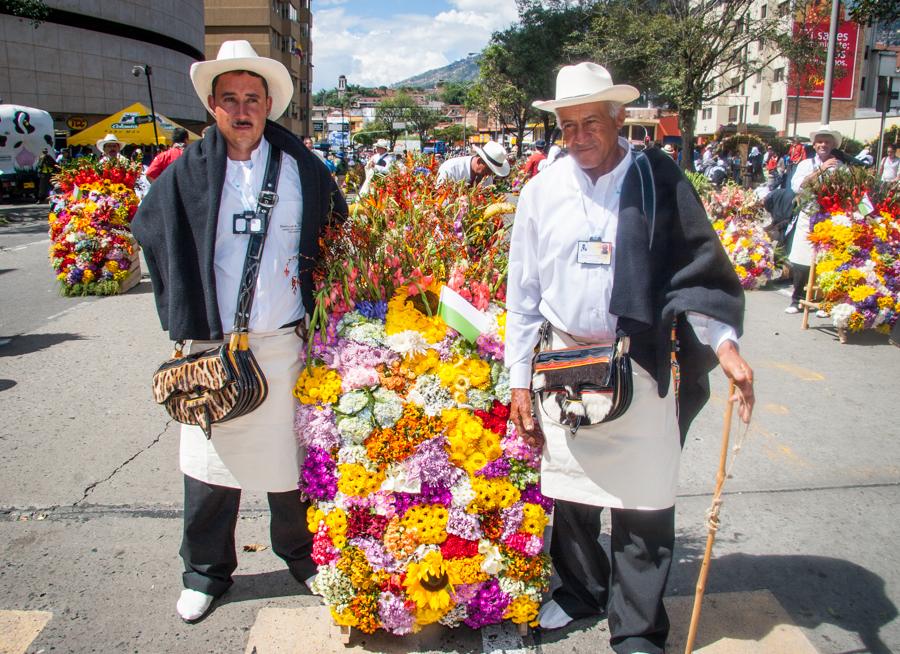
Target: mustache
242,123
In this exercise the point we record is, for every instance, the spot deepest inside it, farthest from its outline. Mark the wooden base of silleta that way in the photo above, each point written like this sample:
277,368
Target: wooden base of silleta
712,523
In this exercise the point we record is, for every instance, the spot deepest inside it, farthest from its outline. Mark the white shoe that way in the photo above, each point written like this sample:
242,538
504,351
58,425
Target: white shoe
552,616
793,308
193,605
821,313
309,584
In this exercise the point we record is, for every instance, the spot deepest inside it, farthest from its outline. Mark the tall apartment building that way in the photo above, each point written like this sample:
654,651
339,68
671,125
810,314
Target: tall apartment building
278,29
77,64
770,98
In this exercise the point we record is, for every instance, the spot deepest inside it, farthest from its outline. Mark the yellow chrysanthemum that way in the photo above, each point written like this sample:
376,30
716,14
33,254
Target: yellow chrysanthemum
336,522
428,522
534,519
403,316
313,517
428,586
492,494
522,610
466,570
318,385
860,293
356,481
501,326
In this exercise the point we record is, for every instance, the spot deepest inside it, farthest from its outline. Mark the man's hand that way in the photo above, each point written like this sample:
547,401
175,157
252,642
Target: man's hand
520,412
738,371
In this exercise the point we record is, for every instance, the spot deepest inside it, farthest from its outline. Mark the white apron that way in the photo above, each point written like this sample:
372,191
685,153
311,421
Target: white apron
258,451
629,463
801,248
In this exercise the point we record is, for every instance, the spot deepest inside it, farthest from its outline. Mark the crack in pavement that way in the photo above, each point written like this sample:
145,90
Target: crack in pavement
87,511
92,487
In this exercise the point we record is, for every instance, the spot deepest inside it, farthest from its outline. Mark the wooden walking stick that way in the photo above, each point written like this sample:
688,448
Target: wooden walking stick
712,523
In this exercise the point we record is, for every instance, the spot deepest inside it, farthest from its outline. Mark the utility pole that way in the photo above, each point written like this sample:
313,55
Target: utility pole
829,63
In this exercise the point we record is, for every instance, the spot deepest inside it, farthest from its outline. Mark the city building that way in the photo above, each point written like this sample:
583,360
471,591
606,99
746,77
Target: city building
80,63
788,102
278,29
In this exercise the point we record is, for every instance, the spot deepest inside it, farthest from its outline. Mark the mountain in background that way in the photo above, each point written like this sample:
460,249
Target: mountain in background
464,70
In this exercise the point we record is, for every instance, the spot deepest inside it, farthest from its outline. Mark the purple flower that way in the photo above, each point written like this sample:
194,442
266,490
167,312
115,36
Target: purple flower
463,524
317,477
496,468
490,347
533,495
488,605
512,519
432,465
375,553
394,615
372,309
315,427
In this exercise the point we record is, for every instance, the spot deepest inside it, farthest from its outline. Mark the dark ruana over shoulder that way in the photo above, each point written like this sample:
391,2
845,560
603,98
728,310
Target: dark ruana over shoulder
687,269
177,221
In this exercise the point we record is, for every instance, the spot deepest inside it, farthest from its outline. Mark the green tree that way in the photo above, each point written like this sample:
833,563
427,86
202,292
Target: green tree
35,11
395,113
449,134
701,49
422,120
497,93
874,11
454,92
369,133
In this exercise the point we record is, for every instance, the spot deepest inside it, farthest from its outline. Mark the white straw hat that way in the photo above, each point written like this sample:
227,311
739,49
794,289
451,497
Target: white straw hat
494,155
826,129
240,55
585,83
109,138
382,143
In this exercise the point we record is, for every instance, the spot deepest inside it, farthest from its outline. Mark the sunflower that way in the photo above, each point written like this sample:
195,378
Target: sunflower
428,586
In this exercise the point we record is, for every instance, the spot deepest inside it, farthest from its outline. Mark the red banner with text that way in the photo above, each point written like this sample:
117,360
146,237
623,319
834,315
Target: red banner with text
812,80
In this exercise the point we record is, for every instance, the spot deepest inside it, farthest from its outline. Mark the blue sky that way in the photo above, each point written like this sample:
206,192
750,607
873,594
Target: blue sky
376,42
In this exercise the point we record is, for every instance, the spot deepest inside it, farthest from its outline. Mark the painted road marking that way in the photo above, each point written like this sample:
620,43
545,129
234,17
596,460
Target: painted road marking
24,245
20,628
69,310
801,373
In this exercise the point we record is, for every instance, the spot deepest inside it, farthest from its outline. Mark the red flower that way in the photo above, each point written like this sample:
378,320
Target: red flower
457,548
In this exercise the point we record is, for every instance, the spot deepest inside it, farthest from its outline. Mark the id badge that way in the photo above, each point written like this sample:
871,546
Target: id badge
241,222
595,252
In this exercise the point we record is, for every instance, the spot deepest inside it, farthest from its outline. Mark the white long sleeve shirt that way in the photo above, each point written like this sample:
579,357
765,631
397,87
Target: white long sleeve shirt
277,299
459,169
558,209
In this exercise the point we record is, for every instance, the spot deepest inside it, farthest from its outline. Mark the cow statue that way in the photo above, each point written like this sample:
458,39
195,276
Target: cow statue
24,133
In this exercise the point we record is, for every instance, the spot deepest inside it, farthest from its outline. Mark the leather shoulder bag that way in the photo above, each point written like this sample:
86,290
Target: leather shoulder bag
218,385
585,385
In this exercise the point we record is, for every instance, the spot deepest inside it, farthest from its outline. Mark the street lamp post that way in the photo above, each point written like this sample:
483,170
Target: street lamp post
342,92
147,71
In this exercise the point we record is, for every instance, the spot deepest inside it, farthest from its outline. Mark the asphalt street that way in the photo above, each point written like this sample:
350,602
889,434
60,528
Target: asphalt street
90,495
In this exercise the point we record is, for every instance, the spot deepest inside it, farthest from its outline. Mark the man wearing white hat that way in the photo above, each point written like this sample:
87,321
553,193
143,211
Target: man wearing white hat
476,169
378,164
110,148
824,141
606,243
195,225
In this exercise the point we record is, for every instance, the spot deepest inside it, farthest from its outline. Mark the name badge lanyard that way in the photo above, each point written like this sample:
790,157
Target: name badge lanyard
246,222
595,250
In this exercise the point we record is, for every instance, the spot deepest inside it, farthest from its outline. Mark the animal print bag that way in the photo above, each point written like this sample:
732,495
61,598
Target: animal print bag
582,385
227,382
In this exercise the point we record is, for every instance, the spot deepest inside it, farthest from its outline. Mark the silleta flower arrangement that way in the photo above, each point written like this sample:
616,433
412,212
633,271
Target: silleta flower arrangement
92,248
739,220
425,501
856,232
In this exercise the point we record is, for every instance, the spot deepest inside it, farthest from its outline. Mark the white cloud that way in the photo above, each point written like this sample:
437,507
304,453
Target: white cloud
374,51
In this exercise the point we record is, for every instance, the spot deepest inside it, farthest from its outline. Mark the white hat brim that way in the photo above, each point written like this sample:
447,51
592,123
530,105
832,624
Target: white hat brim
616,93
104,141
281,89
832,133
502,171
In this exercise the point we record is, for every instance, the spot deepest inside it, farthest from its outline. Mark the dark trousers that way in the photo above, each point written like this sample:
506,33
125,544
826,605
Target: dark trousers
208,546
800,276
629,586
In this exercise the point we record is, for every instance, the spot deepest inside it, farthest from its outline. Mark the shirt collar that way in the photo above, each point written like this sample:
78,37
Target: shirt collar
258,156
615,176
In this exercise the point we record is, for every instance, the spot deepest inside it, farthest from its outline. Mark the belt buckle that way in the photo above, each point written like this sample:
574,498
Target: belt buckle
267,199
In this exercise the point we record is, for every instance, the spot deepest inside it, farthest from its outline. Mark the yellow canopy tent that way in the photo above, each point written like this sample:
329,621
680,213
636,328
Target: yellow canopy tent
124,124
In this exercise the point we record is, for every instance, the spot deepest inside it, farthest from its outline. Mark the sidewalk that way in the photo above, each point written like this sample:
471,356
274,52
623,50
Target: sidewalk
90,505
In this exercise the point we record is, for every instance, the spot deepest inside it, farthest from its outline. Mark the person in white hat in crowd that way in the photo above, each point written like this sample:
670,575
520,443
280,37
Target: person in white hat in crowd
110,149
669,149
824,140
479,168
596,257
194,226
378,164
